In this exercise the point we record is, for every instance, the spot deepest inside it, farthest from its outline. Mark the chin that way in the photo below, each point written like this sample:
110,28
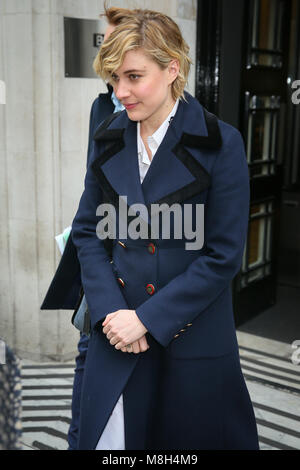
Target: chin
134,115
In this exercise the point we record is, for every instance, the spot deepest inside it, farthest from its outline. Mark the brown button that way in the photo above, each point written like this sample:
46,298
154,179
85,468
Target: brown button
189,324
120,281
176,336
150,289
183,330
122,244
151,248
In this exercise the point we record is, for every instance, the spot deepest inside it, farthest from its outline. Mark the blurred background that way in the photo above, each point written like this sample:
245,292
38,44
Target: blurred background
246,57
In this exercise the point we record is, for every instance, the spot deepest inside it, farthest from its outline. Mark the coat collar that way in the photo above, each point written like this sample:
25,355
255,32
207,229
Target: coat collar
174,174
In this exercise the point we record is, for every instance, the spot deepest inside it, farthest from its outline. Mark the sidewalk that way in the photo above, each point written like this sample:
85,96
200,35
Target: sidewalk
273,382
272,379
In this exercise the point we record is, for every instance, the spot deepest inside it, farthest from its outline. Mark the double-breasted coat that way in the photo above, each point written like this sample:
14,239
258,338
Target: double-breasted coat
187,390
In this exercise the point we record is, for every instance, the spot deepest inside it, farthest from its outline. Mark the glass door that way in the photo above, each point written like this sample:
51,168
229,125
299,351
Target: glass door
263,100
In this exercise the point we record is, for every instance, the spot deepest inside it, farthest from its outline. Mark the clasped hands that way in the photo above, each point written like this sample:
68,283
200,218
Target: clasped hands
123,328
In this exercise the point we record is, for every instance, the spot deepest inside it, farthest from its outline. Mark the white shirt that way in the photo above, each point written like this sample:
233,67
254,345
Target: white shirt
113,436
154,142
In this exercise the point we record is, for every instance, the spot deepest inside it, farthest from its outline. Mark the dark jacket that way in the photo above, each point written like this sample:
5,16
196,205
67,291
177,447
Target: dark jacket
65,287
187,391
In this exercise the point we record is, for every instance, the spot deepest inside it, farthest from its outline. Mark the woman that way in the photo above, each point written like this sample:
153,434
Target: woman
162,369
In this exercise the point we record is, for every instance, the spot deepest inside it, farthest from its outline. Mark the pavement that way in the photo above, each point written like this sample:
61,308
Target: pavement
273,381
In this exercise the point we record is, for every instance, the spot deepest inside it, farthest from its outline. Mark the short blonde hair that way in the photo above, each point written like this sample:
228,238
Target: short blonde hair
115,15
160,38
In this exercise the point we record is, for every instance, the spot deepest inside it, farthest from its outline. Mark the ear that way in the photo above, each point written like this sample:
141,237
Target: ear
173,69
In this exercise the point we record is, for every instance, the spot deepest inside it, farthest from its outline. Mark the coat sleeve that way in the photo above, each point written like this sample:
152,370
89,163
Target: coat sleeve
225,227
100,286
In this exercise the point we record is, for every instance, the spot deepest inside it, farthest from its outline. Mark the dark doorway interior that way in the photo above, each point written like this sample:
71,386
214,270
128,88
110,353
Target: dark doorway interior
247,60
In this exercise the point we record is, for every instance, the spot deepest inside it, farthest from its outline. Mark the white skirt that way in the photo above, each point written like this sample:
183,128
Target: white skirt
113,436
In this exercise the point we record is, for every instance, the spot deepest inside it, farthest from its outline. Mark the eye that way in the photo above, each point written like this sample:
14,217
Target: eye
134,77
114,77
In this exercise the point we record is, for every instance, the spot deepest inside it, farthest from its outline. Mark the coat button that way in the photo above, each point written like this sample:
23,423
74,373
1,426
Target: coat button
176,336
189,324
150,289
122,244
183,329
120,281
151,248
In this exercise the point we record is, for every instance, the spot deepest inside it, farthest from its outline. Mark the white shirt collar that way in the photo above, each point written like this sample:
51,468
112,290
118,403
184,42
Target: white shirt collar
156,138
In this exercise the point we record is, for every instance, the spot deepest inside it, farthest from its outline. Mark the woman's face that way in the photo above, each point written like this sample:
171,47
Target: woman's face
143,87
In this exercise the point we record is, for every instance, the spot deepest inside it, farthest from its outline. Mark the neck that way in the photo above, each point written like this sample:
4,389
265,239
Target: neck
153,122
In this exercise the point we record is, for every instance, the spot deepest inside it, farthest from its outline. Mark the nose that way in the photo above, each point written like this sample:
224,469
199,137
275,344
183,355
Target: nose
121,90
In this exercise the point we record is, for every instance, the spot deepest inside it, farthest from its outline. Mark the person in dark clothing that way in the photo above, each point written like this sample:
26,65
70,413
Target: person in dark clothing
162,369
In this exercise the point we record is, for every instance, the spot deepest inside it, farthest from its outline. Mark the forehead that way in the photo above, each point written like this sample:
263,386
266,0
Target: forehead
136,60
108,30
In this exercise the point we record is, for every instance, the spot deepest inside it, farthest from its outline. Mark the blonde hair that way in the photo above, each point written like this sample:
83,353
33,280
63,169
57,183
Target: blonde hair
160,38
115,15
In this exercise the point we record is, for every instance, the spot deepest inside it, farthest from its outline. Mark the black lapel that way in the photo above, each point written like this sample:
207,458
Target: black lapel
194,178
179,142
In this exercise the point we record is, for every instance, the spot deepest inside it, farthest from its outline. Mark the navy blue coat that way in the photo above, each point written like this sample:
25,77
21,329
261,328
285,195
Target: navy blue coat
187,391
64,289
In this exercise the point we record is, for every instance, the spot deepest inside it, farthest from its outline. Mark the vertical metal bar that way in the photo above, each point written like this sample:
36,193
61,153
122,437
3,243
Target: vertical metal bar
256,20
296,153
209,32
263,258
277,5
270,140
252,31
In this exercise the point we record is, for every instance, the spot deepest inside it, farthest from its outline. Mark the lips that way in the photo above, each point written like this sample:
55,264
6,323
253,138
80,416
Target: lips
130,105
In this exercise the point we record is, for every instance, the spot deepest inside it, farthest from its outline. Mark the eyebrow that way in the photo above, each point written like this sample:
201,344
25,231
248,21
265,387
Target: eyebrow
132,71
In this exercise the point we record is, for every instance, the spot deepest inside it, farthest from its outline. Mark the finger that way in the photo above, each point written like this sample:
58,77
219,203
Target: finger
110,335
114,340
109,316
106,329
135,347
143,344
120,345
